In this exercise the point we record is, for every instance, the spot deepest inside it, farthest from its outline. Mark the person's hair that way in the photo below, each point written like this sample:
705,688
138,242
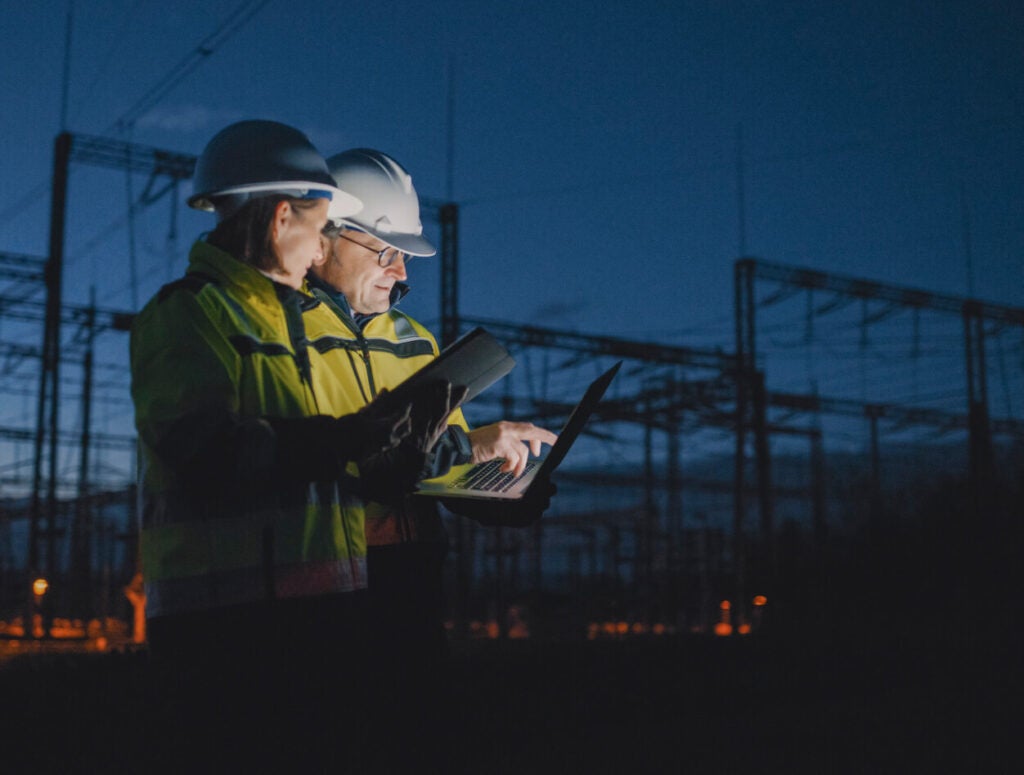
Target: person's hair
245,234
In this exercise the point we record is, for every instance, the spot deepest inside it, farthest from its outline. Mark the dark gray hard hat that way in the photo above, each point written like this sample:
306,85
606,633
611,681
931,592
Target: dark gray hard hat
255,158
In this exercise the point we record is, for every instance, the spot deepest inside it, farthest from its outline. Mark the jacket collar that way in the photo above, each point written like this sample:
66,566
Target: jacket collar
398,292
206,259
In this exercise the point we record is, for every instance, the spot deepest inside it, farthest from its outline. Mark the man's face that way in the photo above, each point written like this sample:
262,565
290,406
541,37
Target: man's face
296,235
351,267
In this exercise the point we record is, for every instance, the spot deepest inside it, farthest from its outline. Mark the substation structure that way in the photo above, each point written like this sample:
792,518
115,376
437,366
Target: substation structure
664,393
729,393
58,504
980,321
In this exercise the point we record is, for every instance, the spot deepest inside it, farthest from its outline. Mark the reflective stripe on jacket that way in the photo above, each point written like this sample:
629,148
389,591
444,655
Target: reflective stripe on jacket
389,348
215,347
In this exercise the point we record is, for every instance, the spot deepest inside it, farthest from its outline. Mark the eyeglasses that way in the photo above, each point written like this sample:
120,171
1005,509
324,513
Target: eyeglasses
385,256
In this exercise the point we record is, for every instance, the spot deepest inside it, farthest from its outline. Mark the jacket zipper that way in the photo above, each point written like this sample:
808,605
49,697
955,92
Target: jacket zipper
399,511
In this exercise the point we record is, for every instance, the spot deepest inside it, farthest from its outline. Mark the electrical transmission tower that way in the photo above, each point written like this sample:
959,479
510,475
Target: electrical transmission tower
97,151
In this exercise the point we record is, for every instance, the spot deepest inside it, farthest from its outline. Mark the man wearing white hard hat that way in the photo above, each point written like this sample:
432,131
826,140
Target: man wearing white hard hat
373,347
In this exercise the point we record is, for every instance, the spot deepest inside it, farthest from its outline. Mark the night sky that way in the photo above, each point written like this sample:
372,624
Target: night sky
598,152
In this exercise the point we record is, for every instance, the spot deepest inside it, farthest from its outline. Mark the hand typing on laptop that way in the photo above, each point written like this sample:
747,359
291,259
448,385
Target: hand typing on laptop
507,472
512,442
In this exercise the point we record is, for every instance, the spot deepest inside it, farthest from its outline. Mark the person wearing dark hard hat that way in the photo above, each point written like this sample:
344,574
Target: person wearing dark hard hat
252,541
373,346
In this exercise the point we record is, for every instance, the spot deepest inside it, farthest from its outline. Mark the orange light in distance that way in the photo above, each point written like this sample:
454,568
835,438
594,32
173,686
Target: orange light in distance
760,600
725,605
743,629
723,628
39,587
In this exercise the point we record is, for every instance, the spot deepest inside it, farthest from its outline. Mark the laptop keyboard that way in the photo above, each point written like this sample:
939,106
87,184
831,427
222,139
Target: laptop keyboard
489,477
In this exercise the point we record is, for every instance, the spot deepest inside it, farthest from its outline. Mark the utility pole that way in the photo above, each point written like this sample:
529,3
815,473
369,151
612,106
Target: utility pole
49,377
647,527
980,450
82,527
743,288
449,217
674,513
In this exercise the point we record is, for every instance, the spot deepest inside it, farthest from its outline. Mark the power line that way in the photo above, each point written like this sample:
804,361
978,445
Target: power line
206,48
28,198
116,44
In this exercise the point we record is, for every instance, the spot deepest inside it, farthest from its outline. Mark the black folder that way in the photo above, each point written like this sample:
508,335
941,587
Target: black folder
474,361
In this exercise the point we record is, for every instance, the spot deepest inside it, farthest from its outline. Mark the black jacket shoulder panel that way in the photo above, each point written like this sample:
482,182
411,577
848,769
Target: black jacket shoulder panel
192,282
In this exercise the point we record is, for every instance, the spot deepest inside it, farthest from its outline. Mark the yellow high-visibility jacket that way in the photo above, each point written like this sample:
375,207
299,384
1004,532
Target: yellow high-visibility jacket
210,354
387,350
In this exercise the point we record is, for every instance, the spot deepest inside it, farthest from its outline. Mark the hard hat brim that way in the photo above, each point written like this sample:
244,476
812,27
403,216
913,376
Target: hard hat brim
411,244
342,203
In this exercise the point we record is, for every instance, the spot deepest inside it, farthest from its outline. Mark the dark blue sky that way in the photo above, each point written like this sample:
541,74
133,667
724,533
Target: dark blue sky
595,148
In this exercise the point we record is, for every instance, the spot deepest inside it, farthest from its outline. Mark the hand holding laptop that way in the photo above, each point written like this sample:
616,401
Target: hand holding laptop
390,474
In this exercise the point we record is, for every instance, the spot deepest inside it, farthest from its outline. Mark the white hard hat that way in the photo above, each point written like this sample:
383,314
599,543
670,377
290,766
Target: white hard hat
250,159
391,209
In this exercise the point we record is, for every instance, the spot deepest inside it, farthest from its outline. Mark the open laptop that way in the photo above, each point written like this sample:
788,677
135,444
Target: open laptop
486,481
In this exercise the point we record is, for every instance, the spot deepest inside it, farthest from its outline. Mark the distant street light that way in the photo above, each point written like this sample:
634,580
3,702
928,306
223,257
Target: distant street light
39,587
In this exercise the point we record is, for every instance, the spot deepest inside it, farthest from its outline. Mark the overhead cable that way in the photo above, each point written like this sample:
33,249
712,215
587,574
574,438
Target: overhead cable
206,48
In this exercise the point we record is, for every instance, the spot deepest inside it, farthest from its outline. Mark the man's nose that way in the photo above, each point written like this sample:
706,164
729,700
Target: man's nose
397,267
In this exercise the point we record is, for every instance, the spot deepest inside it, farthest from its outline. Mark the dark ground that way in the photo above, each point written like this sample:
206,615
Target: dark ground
907,659
904,658
945,699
